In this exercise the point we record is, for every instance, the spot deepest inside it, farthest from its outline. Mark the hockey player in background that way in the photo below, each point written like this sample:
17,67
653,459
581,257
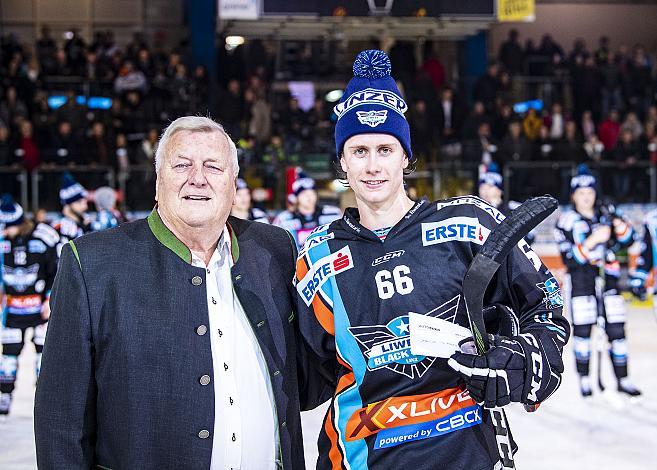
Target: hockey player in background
308,214
588,237
242,205
491,190
646,261
106,214
359,277
75,221
28,271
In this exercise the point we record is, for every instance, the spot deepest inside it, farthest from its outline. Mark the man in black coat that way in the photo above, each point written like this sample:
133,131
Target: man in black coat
173,340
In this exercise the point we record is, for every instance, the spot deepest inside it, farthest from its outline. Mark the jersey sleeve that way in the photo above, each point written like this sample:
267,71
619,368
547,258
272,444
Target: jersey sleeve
317,332
533,302
571,244
623,232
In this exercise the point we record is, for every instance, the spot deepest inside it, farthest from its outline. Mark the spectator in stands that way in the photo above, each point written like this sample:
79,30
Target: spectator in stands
12,107
632,124
552,54
122,155
199,92
134,114
27,150
72,112
651,117
649,143
587,125
594,149
609,130
260,122
97,149
487,86
626,154
6,150
75,47
179,90
515,147
603,53
569,148
556,122
483,150
450,115
639,83
231,109
322,128
587,87
511,55
433,67
612,84
293,121
543,145
45,51
64,148
531,124
147,148
130,79
422,130
476,117
501,120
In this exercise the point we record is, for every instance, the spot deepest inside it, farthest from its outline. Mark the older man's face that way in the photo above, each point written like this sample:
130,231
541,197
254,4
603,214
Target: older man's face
196,184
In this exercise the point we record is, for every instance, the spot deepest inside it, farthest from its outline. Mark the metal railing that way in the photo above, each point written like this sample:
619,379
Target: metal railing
136,184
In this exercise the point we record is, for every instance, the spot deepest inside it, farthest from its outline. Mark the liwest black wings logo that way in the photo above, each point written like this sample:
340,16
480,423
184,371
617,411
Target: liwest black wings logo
389,346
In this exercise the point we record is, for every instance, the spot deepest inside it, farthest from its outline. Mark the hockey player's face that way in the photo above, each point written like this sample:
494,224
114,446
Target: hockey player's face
584,198
374,164
196,183
490,193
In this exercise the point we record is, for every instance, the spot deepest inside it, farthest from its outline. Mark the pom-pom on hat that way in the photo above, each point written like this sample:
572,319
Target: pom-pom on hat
105,198
11,213
302,183
71,190
583,179
372,103
492,176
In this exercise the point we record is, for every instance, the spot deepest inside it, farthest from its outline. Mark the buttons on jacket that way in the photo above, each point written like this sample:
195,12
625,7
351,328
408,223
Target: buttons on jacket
204,380
201,330
197,281
204,434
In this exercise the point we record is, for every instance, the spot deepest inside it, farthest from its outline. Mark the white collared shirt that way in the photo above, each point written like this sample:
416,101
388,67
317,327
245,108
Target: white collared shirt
245,428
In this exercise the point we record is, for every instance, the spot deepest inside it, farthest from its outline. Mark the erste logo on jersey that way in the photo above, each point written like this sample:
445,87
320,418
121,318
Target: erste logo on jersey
389,346
322,270
461,229
552,293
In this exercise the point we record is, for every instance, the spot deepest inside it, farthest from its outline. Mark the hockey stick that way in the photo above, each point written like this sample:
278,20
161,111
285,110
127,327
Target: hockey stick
483,267
600,325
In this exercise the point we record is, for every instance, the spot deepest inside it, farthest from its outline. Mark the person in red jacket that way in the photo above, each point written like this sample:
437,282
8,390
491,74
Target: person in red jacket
610,130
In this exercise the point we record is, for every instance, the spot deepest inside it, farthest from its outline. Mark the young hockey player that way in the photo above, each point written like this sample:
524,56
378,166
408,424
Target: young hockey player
75,221
646,260
491,190
359,277
308,214
588,237
28,272
242,205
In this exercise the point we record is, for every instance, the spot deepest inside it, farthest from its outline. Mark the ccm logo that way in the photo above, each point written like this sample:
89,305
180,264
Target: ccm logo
388,257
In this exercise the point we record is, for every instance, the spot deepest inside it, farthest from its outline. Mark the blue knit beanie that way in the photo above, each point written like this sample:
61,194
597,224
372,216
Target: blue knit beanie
70,190
302,183
11,213
583,179
492,176
372,103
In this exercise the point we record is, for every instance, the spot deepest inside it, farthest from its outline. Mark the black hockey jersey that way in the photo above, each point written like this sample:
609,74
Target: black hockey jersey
645,263
300,225
584,265
28,273
390,408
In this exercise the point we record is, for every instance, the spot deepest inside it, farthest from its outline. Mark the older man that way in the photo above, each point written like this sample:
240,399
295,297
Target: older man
172,340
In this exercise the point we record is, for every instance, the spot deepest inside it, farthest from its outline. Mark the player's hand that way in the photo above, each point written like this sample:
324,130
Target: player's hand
45,309
600,235
514,370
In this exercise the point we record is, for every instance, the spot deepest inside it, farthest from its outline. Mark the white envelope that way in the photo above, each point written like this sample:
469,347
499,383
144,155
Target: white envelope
435,337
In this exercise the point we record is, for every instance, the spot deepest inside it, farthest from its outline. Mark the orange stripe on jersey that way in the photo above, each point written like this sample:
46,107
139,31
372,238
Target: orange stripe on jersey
334,452
324,314
302,268
345,381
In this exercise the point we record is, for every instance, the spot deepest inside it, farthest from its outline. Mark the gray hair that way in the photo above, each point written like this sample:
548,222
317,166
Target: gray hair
193,124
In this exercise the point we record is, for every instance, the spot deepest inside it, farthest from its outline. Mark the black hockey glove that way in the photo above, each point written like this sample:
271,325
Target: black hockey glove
638,288
511,371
